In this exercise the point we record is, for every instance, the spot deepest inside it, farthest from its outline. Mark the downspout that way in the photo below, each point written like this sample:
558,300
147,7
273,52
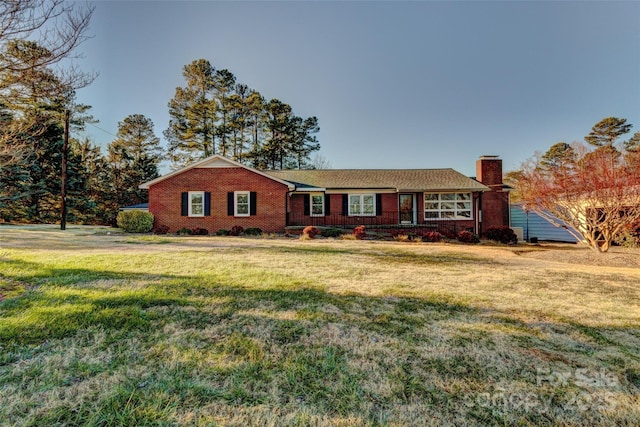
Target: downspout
478,220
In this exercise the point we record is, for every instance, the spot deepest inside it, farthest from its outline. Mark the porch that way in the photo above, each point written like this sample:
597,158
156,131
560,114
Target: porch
386,220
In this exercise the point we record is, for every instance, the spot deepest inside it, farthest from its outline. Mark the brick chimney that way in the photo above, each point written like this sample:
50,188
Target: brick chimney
495,203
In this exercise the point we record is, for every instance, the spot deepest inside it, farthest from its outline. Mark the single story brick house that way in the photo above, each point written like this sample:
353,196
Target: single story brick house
219,193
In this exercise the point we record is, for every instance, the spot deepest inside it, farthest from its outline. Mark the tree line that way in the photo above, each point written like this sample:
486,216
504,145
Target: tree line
49,174
213,114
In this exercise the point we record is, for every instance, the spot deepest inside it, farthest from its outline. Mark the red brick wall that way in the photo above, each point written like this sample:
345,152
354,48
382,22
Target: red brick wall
495,203
165,199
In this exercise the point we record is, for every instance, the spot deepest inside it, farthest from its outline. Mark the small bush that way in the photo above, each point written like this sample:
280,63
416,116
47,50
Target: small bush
236,230
400,237
161,229
253,231
627,239
331,232
397,233
184,232
359,232
135,221
310,231
432,236
222,232
468,237
199,231
501,234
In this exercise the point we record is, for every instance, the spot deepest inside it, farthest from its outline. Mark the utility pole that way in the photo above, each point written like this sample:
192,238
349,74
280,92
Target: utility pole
63,175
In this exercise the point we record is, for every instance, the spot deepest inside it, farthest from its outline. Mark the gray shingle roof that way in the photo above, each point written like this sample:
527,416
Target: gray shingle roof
395,179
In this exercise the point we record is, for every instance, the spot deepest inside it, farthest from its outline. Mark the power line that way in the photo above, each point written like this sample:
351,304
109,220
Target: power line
105,131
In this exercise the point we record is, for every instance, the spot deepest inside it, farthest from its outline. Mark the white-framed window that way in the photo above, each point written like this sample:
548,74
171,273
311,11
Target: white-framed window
242,201
316,204
447,206
196,203
362,204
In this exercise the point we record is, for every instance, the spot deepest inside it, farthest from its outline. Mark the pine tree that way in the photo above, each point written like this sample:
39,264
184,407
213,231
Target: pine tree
607,131
192,127
133,157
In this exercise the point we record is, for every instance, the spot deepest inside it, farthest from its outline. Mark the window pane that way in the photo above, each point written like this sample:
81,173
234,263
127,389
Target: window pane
464,196
464,214
447,205
197,202
368,204
449,196
432,206
316,210
317,200
448,214
431,215
354,205
242,204
463,205
430,196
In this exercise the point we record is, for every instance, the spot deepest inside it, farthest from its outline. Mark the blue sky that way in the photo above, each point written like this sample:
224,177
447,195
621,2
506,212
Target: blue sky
393,84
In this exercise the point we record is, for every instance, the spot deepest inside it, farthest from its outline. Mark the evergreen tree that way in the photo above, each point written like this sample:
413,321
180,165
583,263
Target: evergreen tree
192,127
224,86
558,155
304,142
133,158
214,114
607,131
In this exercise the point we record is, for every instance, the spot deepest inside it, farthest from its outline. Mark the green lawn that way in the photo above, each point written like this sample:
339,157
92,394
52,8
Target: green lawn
103,329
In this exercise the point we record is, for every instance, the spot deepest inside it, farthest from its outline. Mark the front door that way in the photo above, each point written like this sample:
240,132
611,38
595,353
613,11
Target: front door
407,209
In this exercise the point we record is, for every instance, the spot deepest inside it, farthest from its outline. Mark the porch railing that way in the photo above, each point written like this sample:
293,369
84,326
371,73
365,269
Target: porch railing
387,220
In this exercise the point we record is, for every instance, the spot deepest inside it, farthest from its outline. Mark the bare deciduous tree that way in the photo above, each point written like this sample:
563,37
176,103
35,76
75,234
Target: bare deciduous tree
35,36
597,192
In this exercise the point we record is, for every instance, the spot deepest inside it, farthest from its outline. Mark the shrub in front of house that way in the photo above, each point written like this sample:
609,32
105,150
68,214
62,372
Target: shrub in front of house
184,232
310,232
468,237
160,229
199,231
400,237
331,232
222,232
253,231
359,232
501,234
396,234
432,236
135,221
236,230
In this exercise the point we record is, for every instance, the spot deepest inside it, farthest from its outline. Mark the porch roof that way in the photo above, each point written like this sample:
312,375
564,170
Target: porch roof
393,179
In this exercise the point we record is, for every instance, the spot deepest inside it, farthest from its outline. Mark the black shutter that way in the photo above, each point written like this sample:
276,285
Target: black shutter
207,204
345,204
184,205
230,204
252,203
327,204
307,204
378,204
